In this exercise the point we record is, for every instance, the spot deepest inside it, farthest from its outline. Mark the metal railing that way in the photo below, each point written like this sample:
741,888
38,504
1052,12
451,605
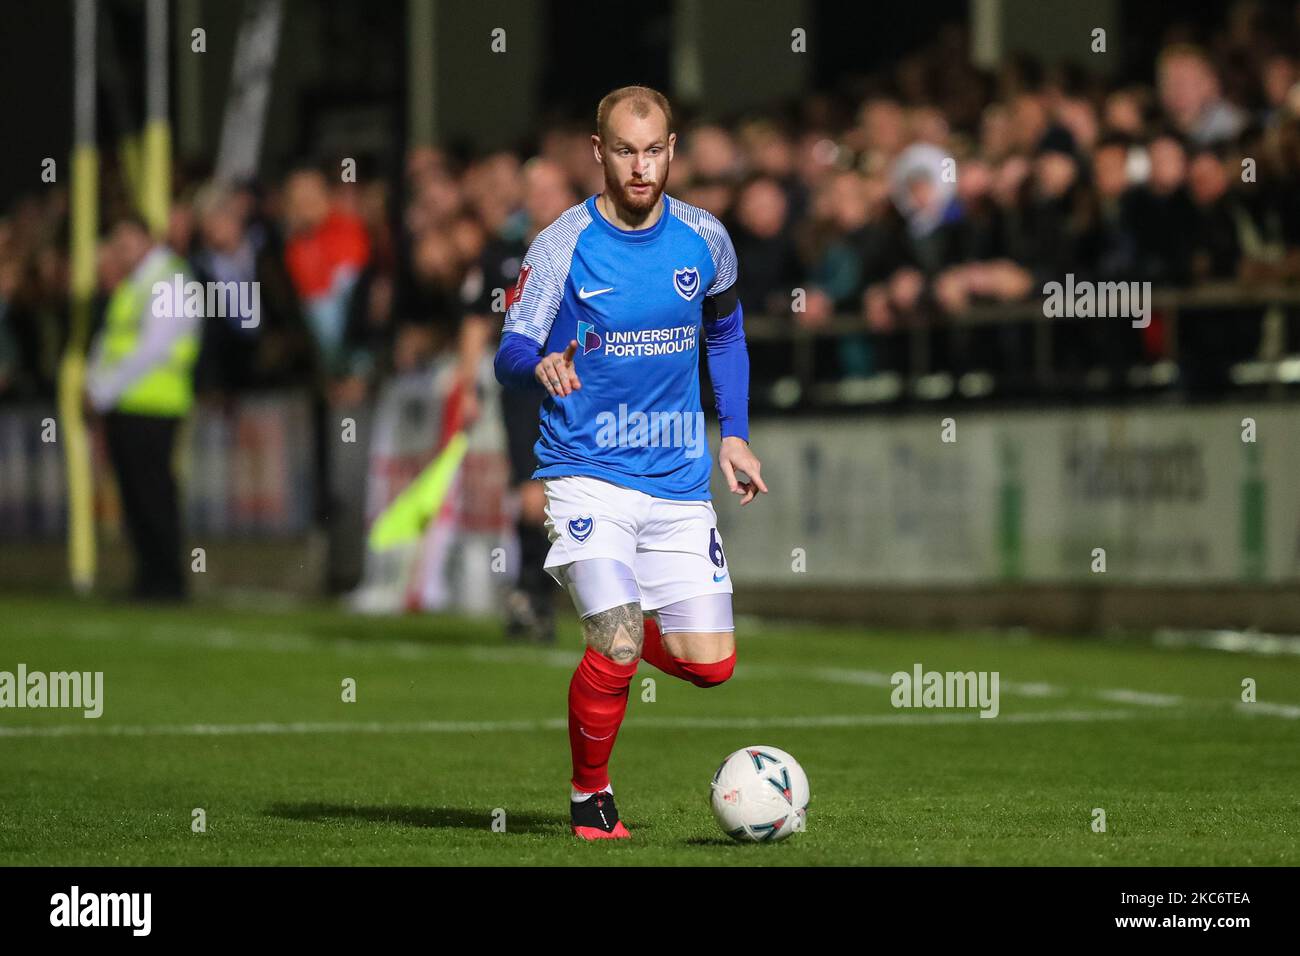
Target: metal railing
918,378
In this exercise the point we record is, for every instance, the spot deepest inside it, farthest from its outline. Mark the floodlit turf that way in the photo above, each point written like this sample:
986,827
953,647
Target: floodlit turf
239,713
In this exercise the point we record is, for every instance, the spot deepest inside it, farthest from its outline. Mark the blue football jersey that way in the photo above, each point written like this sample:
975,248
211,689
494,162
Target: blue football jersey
633,300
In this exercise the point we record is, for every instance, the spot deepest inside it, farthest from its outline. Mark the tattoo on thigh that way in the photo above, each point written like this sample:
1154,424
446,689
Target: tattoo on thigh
616,633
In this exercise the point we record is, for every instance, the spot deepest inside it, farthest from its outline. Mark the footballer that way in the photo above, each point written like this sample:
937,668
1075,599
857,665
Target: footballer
606,316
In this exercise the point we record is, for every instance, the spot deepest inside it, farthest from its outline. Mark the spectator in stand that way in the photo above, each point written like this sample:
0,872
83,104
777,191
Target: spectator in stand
326,251
429,308
712,153
843,247
1216,248
1164,219
1280,76
1125,113
921,239
1109,251
881,134
241,352
1190,94
1211,343
709,171
770,152
763,241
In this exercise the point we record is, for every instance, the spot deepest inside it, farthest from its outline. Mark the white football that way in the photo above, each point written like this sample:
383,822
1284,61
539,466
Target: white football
760,794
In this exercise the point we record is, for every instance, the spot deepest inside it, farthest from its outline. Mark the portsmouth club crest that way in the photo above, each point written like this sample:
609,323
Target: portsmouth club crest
580,528
686,282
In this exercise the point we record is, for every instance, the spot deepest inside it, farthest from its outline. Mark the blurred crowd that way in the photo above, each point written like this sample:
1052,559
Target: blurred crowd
934,187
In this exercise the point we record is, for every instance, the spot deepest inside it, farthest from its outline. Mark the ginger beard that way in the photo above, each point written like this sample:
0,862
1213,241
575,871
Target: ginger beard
635,196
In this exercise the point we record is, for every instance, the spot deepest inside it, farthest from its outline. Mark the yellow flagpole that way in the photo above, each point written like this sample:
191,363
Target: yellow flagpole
84,213
157,179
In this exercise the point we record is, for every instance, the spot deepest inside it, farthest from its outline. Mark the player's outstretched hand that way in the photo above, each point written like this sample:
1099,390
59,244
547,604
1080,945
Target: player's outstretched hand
735,456
556,372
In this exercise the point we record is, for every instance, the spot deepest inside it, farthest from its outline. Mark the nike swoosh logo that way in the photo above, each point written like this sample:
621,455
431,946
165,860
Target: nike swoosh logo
583,730
719,578
584,294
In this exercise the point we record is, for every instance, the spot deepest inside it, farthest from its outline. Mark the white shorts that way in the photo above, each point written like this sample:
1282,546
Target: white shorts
673,547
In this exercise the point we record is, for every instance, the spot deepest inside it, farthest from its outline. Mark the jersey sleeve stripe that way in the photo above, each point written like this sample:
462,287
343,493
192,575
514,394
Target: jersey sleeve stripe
547,260
714,233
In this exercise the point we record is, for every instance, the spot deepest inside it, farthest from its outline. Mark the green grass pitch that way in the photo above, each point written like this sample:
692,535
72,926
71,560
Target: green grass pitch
240,713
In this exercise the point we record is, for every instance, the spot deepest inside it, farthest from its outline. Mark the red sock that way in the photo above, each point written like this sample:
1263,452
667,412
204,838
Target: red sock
653,651
709,674
597,702
701,675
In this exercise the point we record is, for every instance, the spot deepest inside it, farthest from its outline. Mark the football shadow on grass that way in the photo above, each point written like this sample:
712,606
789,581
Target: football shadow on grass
435,818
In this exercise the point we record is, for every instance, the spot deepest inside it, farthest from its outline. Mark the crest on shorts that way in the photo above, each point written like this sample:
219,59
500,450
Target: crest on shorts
686,282
580,528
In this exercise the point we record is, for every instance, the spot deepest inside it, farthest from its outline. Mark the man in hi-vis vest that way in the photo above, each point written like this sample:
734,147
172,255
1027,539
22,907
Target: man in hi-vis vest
141,381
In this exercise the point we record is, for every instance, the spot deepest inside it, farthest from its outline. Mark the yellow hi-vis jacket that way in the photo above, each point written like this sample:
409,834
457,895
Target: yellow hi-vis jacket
148,346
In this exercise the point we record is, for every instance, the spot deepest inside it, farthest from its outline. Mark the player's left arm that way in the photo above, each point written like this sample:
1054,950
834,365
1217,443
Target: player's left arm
728,358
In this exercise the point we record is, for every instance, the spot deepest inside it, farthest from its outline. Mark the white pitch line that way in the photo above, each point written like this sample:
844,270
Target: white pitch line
1120,695
868,678
293,642
532,726
1248,642
1273,710
292,727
